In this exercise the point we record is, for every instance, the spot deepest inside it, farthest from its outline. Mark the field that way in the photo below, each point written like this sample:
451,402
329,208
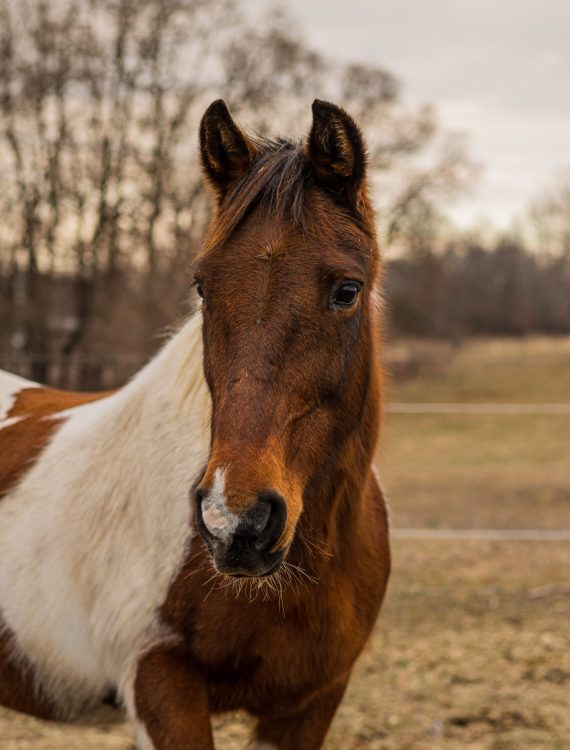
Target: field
472,649
479,470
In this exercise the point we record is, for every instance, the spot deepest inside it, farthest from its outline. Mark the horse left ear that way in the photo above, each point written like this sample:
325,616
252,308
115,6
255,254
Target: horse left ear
225,149
336,152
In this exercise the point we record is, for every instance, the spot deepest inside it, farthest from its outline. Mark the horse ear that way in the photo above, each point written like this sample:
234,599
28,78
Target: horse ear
225,150
336,152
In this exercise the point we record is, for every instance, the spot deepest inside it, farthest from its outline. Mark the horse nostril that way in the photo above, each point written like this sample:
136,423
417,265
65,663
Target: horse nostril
258,528
274,516
199,496
263,523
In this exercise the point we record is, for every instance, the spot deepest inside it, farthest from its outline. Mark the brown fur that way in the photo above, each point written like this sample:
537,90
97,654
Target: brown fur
18,688
296,392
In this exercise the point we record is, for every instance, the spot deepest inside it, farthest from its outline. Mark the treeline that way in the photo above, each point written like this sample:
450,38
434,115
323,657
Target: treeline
449,284
474,290
102,205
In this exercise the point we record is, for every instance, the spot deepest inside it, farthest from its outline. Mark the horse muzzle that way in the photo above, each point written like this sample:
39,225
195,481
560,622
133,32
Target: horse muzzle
242,544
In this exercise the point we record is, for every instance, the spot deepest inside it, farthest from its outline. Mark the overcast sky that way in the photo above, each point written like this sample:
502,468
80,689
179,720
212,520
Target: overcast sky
497,70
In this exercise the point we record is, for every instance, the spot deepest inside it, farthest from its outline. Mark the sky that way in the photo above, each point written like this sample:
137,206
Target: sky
496,70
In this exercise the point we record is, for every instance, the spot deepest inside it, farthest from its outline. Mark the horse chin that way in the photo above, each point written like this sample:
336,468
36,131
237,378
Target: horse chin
250,567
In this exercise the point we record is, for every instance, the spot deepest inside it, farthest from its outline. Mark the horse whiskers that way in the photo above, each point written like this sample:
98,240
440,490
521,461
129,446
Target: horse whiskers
297,571
214,578
272,587
199,569
313,546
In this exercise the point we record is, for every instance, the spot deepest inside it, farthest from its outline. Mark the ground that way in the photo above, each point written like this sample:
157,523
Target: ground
472,649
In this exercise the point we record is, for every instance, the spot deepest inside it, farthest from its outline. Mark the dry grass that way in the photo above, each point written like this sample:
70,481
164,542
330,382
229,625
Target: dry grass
472,649
477,471
527,370
480,471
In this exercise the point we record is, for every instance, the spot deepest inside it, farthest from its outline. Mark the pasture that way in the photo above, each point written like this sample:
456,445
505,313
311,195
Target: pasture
472,649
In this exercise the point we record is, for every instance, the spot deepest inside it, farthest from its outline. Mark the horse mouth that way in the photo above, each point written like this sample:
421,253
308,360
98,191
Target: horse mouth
263,574
253,565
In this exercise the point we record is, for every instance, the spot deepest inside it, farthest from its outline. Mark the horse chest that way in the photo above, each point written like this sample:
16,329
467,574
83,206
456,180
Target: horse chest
257,655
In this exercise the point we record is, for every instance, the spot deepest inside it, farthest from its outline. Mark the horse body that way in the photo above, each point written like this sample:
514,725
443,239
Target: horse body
92,534
211,536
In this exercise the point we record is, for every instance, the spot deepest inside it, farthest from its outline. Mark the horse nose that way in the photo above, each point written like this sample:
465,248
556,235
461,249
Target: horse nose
257,528
262,524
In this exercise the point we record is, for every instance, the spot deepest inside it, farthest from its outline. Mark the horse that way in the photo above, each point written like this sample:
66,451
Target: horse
212,536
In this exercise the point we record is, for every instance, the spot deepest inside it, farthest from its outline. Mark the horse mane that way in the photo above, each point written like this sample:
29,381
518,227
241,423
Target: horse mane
276,182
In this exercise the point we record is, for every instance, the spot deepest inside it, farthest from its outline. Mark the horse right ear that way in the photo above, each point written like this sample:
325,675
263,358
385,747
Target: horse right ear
336,152
225,150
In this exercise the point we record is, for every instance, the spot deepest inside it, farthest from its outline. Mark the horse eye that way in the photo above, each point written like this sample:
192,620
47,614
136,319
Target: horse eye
345,295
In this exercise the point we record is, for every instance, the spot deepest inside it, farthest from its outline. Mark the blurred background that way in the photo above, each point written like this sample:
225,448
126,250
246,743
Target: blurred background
466,109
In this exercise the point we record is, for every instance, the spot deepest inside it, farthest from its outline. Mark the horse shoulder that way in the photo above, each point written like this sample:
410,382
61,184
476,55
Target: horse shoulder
95,521
365,567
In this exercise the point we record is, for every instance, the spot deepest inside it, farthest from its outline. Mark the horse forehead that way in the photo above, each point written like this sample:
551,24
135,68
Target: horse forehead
249,256
265,236
260,283
249,252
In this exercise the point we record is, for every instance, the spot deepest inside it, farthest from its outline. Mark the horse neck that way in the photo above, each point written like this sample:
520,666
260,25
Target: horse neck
158,421
174,377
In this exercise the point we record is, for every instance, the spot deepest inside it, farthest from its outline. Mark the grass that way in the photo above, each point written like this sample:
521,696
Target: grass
479,470
472,649
525,370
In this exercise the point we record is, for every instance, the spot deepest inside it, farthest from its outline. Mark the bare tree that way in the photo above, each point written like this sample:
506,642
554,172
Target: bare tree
548,218
101,199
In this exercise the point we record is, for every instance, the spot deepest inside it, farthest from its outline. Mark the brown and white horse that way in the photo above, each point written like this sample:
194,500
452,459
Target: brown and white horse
212,536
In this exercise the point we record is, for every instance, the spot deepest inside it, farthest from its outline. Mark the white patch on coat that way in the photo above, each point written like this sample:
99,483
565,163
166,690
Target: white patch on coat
219,519
93,535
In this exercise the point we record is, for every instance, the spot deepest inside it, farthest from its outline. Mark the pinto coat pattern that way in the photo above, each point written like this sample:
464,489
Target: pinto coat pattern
211,536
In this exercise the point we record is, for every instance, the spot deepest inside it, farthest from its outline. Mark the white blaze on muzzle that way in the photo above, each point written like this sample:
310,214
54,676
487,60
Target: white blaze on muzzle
217,517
